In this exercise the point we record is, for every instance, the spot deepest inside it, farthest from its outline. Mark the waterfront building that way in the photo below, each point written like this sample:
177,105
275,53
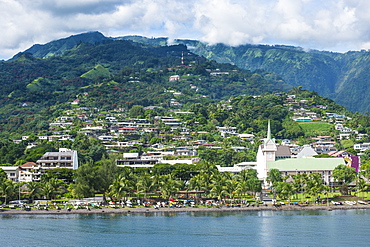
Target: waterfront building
271,155
65,158
268,158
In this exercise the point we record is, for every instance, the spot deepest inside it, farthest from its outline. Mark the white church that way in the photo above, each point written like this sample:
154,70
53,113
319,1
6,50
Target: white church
273,156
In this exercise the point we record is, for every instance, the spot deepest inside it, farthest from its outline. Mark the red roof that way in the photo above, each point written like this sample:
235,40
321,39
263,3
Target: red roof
28,164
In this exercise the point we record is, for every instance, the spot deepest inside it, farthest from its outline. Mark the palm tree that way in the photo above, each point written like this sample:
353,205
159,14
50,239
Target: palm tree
315,184
284,190
145,184
55,184
254,185
361,185
242,188
7,189
274,177
121,186
47,190
33,189
299,182
169,186
196,182
218,191
230,187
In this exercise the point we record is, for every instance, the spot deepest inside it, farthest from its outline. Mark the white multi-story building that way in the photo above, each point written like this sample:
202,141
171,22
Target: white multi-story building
65,158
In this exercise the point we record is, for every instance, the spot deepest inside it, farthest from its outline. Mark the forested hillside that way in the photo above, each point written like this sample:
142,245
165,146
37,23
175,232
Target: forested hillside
341,76
116,74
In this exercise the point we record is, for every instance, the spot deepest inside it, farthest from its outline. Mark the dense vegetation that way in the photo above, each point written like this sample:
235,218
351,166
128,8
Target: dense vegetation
129,80
115,74
342,77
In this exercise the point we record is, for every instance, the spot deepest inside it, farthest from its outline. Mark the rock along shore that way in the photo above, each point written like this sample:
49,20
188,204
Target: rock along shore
182,209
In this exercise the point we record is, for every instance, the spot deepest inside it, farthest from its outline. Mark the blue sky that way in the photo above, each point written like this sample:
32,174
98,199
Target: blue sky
333,25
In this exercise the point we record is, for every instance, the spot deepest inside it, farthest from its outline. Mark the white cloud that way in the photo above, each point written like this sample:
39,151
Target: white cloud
337,25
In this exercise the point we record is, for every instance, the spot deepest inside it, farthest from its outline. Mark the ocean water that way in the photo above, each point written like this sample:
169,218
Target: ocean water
263,228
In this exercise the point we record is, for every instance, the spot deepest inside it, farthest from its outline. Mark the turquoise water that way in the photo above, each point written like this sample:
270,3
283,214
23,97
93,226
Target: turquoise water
266,228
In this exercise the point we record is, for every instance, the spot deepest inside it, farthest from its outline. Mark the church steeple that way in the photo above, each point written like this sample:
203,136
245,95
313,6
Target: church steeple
269,147
268,130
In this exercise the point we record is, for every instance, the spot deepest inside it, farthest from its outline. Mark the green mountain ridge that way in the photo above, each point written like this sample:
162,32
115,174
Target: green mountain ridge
340,76
116,74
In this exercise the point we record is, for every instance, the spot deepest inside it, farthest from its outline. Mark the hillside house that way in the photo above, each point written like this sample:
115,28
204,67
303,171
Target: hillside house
174,78
27,173
12,172
248,137
127,130
65,158
362,147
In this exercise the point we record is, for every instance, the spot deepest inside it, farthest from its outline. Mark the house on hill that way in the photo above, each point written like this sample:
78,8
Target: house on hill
65,158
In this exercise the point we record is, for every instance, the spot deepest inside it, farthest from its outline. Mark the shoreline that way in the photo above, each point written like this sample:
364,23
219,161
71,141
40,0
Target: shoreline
180,210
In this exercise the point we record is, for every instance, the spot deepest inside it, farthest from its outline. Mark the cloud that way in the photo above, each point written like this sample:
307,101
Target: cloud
337,25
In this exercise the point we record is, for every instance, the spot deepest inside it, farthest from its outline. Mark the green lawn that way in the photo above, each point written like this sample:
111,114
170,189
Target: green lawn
316,128
347,143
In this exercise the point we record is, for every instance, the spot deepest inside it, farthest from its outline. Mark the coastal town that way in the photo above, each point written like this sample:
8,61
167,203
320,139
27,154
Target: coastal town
140,147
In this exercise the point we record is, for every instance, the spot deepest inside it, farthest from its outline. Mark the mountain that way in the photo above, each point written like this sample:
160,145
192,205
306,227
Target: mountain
58,47
343,77
114,74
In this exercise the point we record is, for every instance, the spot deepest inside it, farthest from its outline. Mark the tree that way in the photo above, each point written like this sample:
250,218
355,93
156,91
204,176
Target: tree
3,175
105,175
218,191
183,171
136,111
169,186
361,185
274,177
299,182
344,175
47,190
122,185
33,189
55,184
284,190
64,174
254,185
86,181
230,187
7,189
97,152
145,184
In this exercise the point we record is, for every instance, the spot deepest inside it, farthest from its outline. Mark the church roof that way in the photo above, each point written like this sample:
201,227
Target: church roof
306,164
283,151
